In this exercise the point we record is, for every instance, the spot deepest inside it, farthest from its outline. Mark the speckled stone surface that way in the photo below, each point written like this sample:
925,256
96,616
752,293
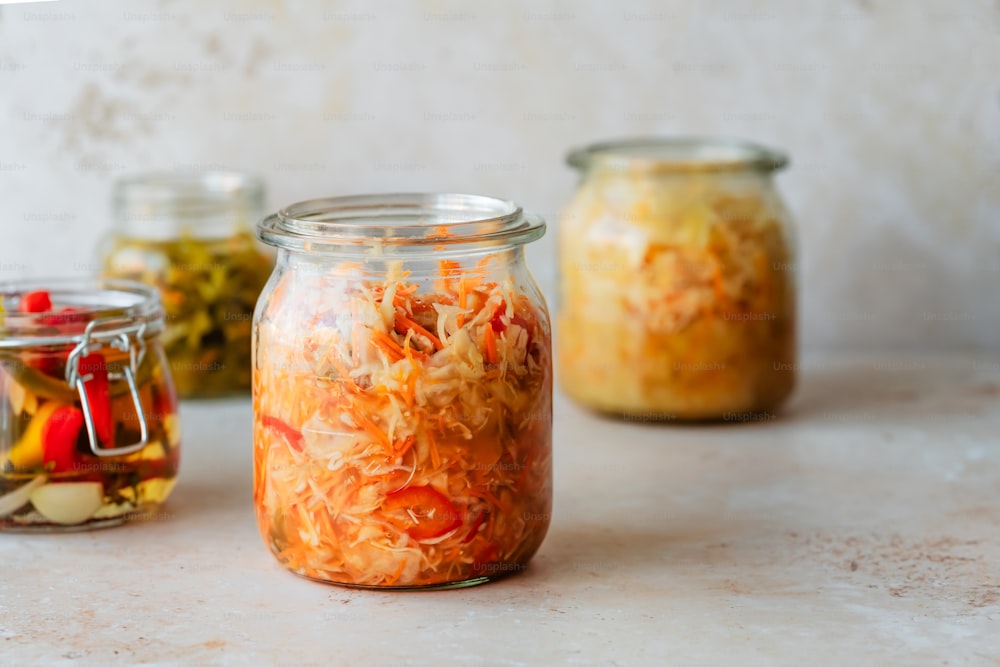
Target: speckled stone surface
858,527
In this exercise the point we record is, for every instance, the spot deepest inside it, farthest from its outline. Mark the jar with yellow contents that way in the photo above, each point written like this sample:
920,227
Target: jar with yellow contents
677,281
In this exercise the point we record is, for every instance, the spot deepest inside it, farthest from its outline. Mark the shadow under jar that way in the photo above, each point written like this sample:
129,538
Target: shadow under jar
402,392
191,235
677,282
89,435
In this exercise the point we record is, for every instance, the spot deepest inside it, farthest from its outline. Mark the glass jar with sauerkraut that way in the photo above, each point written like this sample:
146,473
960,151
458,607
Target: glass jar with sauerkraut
677,282
89,435
190,234
402,391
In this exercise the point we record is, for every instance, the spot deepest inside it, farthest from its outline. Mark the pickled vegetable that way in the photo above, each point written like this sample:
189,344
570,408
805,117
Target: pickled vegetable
678,298
209,289
68,503
49,474
402,431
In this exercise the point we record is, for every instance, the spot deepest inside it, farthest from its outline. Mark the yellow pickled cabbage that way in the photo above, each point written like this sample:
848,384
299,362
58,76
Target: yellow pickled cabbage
678,298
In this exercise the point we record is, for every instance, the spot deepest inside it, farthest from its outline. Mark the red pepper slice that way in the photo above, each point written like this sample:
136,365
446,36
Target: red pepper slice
499,326
98,392
496,322
38,301
64,317
50,362
59,435
53,362
291,436
475,527
422,511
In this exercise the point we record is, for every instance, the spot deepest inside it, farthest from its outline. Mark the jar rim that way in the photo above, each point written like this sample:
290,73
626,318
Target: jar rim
413,220
165,186
116,306
678,155
208,201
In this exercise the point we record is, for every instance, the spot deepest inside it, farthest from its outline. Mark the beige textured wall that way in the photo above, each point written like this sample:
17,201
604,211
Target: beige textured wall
890,110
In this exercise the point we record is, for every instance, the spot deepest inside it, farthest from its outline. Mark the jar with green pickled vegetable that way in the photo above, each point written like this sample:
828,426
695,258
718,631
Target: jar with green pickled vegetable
191,235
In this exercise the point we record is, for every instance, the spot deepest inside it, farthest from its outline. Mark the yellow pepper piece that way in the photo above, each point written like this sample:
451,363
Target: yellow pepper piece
27,453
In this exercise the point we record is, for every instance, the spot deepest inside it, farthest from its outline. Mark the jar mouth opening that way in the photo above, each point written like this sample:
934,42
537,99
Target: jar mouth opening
400,220
115,305
679,155
196,197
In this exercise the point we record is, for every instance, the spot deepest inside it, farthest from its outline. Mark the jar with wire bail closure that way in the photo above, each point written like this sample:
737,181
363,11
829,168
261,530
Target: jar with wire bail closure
402,391
677,281
89,435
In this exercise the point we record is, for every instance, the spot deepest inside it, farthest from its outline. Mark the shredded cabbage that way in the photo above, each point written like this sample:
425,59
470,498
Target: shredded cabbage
402,430
677,297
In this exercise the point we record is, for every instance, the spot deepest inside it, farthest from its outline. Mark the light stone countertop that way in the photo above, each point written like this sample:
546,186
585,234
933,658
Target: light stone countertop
860,527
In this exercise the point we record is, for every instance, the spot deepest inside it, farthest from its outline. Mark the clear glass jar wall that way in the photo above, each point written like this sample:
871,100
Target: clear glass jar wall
191,235
89,434
677,281
402,392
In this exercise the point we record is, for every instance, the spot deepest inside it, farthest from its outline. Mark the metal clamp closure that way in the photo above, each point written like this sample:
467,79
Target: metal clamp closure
95,336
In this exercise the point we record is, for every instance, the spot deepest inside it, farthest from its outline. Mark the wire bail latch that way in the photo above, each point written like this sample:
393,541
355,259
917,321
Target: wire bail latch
96,336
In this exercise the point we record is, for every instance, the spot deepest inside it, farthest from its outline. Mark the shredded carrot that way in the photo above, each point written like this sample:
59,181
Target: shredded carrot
490,498
404,322
404,294
489,344
462,300
448,269
435,454
462,295
384,342
410,395
372,429
405,445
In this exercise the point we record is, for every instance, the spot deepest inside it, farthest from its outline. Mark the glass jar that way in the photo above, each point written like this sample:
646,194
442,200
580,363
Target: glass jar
402,391
191,235
677,281
89,435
